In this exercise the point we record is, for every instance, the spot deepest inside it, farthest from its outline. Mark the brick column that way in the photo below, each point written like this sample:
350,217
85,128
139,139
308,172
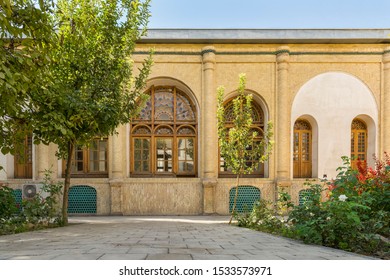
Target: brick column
283,134
209,132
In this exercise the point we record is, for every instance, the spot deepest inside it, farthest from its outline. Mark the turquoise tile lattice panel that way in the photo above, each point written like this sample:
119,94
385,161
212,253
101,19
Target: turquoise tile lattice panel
82,200
247,196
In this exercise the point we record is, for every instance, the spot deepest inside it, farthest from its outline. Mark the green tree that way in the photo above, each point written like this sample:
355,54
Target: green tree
92,87
25,34
238,144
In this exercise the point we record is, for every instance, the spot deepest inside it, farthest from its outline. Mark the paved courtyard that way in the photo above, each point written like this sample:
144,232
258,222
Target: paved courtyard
155,238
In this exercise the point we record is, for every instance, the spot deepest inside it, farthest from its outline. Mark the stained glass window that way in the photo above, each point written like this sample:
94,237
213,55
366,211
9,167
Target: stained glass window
163,135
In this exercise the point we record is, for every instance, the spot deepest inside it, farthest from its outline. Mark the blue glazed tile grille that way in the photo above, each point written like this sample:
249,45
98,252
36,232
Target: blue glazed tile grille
18,198
247,196
82,200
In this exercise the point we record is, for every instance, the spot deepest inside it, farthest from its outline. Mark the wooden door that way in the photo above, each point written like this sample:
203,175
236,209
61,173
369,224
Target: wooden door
358,142
302,157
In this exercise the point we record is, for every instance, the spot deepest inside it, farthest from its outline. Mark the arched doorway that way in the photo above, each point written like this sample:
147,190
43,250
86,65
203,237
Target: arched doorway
358,142
302,157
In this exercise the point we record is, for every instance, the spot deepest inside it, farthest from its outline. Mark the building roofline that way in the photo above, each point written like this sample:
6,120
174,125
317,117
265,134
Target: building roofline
269,36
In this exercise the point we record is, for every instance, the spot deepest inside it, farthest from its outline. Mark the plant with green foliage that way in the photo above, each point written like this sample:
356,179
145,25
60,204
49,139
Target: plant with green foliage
239,144
356,215
26,32
41,211
263,218
7,203
92,88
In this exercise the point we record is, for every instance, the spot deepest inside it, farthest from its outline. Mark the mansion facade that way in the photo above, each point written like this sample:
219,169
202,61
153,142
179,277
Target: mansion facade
327,93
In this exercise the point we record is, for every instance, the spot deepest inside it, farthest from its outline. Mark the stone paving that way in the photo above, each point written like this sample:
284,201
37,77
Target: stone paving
159,238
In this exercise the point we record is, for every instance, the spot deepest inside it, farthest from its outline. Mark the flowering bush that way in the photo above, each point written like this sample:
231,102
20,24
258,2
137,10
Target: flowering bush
356,215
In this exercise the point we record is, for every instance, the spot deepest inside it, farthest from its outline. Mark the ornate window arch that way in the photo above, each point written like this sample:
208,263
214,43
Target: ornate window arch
257,125
359,141
163,137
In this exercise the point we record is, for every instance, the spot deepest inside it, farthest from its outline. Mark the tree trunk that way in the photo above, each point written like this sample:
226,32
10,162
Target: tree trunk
235,199
67,183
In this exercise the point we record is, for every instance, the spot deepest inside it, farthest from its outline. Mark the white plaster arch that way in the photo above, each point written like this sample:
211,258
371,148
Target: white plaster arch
334,99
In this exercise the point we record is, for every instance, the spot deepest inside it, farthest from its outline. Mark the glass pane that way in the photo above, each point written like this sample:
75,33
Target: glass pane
190,166
102,166
181,166
93,155
145,155
183,108
163,105
146,112
146,143
189,154
182,154
79,155
93,166
145,166
103,145
80,166
94,145
182,144
137,155
137,143
137,166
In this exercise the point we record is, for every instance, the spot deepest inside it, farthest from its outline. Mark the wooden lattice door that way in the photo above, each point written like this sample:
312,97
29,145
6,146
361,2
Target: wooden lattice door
358,142
302,149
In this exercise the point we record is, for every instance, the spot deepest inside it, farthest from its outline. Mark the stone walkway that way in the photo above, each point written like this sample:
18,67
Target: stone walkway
155,238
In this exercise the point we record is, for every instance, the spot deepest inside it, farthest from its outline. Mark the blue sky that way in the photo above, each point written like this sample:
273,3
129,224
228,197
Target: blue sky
270,14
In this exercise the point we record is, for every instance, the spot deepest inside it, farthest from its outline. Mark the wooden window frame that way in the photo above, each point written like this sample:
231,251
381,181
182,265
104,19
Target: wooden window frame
86,173
170,129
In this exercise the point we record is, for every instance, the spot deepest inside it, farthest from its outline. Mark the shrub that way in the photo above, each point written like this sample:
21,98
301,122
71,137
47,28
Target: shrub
7,203
356,215
38,212
44,209
263,218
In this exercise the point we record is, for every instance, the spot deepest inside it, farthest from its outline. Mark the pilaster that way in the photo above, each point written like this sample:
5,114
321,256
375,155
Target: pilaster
386,100
283,117
209,135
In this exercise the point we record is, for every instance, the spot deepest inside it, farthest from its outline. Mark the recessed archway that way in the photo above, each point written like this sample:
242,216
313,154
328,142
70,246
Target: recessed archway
333,100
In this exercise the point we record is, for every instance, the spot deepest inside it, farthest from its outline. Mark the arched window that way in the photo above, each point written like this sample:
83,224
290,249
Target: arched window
257,126
302,159
163,136
358,142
